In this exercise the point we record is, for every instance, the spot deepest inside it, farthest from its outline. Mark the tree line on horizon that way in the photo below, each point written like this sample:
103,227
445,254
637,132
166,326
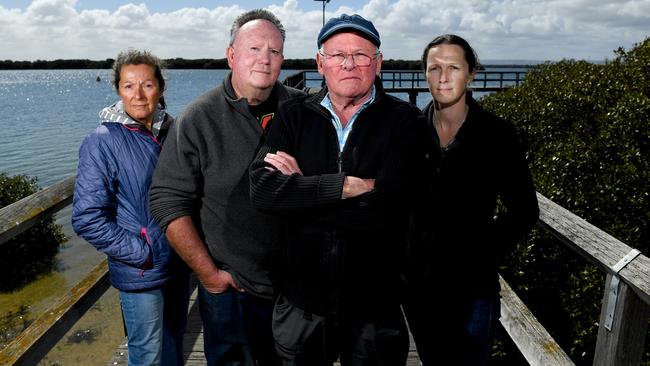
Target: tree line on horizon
180,63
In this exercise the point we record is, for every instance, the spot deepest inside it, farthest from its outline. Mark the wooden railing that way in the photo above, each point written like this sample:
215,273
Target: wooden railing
627,312
412,82
621,337
30,346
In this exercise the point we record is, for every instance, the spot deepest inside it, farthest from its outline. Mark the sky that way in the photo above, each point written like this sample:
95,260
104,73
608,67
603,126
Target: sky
499,30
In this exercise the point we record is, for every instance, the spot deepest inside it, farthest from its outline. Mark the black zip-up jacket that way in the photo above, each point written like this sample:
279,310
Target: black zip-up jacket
458,235
341,252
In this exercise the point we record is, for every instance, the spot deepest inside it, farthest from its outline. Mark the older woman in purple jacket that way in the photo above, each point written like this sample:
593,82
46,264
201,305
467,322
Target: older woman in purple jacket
111,211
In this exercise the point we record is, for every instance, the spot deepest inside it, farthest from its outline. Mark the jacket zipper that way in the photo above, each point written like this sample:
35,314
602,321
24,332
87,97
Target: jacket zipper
339,161
143,131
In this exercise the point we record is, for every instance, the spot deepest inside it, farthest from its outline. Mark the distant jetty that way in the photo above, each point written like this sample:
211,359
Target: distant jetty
206,63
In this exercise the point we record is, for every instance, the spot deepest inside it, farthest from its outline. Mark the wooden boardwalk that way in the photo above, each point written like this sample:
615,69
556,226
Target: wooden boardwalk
193,342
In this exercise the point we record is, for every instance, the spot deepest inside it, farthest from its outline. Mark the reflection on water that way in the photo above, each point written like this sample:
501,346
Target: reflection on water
45,287
19,309
93,339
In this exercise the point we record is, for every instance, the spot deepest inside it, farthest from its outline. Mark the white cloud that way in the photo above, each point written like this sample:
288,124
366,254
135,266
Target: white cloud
51,12
131,16
498,29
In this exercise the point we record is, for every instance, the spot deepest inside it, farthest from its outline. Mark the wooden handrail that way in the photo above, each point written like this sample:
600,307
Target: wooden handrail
534,342
27,212
30,346
594,245
624,343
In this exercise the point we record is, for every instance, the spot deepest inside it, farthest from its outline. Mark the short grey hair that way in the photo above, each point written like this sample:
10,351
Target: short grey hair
255,14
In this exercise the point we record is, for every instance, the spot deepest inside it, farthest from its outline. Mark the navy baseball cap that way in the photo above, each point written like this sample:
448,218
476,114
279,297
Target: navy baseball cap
349,22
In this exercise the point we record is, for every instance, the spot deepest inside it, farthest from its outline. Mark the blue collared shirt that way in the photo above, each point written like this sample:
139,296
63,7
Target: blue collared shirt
343,132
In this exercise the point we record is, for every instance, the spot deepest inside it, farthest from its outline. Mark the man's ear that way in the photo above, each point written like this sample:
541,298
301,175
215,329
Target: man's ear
380,58
319,63
230,56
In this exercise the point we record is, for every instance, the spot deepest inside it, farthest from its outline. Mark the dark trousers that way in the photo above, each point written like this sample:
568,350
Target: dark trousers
357,339
451,328
237,329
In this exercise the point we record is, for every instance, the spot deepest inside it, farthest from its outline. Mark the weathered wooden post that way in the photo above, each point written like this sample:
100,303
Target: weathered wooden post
623,324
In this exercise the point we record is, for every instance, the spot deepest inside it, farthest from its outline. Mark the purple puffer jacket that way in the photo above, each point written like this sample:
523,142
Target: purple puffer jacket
110,207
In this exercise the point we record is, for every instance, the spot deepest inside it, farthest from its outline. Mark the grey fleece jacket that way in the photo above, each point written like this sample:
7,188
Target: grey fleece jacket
203,173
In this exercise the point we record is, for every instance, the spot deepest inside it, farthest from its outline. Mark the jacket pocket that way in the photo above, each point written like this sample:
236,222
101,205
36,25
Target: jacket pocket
148,264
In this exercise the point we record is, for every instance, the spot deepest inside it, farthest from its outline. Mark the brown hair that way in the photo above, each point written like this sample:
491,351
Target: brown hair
470,54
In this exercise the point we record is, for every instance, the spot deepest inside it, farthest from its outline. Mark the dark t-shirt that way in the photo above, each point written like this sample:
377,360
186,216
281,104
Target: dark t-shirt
265,111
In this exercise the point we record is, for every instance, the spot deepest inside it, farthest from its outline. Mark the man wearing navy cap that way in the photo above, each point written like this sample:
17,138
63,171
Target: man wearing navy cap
339,167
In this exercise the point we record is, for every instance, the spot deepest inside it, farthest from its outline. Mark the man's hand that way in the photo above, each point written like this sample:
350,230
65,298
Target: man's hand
353,186
184,238
219,282
283,162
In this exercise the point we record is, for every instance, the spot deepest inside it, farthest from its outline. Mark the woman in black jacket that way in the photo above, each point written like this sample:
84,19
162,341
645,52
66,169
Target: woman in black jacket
457,235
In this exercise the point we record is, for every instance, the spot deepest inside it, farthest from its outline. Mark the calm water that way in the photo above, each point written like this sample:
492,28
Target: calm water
45,114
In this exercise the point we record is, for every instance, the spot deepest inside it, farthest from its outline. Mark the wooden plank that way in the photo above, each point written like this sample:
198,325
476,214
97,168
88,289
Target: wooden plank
595,245
27,212
30,346
624,344
193,342
534,342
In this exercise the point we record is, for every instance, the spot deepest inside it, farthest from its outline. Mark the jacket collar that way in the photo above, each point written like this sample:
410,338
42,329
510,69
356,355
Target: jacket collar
473,109
115,113
241,104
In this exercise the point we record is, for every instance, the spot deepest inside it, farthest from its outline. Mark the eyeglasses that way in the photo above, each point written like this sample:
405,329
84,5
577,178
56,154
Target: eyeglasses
338,59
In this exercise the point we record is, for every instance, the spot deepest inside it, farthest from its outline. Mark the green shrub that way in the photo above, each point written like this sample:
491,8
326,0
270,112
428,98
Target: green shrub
33,252
586,128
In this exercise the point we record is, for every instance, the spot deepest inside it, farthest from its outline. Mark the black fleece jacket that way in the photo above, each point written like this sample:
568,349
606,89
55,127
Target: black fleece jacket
458,234
341,252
